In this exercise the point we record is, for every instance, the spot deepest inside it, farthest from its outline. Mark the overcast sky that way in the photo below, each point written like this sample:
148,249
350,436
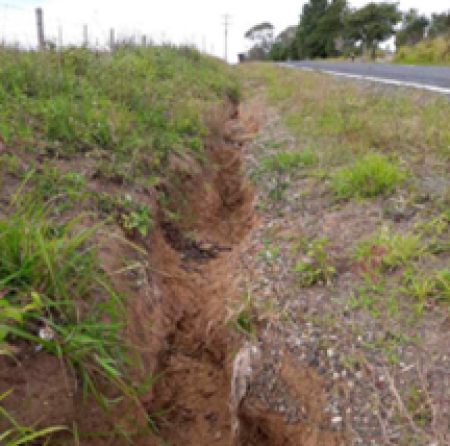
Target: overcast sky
198,22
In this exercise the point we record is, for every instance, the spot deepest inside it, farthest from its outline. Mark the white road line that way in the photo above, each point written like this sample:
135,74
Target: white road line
432,88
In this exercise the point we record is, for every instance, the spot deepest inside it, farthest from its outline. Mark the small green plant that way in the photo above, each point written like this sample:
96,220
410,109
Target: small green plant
316,267
390,250
418,406
422,286
370,176
250,311
243,316
139,220
134,217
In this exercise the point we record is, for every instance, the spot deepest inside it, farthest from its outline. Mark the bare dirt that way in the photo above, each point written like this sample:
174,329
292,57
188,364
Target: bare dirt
178,311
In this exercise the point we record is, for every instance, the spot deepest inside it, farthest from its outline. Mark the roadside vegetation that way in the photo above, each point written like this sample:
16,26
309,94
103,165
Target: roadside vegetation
335,30
355,195
428,52
84,138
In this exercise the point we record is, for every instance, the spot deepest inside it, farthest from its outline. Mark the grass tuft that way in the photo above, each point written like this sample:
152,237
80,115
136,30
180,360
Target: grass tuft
288,162
54,295
370,176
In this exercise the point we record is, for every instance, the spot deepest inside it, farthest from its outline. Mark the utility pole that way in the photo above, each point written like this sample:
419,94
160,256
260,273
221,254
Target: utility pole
40,28
226,24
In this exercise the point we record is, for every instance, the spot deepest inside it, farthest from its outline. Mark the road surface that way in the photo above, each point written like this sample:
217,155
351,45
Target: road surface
428,78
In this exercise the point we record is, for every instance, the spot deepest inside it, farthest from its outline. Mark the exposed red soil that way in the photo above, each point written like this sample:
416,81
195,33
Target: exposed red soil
177,311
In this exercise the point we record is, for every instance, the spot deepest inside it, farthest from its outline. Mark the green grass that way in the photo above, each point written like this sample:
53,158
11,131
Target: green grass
54,295
370,176
133,107
288,162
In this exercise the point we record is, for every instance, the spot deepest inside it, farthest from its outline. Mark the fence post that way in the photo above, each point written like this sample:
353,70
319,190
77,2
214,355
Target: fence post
112,39
60,37
85,36
40,28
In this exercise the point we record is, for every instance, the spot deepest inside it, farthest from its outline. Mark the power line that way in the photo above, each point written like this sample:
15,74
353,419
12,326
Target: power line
226,25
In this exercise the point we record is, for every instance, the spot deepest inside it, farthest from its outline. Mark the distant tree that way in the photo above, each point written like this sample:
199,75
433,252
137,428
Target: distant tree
372,24
440,25
309,43
414,28
261,36
321,26
331,27
282,49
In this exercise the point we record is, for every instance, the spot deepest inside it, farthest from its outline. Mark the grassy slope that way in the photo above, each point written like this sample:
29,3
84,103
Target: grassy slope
381,157
138,104
69,121
428,52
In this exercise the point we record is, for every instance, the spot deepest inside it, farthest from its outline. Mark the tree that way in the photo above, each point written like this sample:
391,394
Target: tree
440,25
262,37
414,27
373,24
321,24
309,43
282,49
331,26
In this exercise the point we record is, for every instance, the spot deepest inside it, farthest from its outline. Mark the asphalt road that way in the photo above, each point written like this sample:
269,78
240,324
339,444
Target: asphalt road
430,78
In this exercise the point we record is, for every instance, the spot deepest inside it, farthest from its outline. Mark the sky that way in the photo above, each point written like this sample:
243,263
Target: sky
197,22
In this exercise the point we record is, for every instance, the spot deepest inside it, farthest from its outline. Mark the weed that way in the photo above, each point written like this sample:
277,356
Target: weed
282,164
316,267
417,404
135,218
139,220
244,316
421,286
389,250
369,177
250,312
